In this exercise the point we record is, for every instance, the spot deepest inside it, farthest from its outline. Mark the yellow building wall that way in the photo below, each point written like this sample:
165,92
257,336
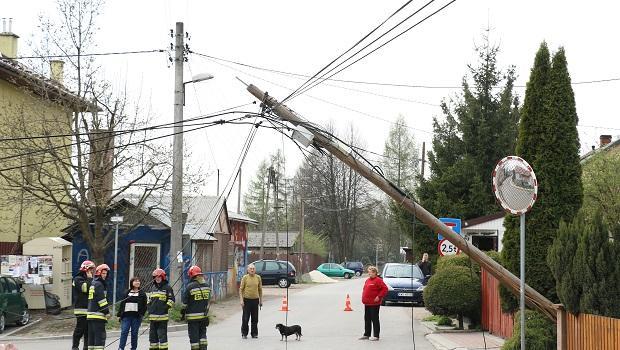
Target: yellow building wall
22,113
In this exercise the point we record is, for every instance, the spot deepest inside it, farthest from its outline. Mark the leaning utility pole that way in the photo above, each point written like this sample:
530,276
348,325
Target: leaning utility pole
176,229
320,139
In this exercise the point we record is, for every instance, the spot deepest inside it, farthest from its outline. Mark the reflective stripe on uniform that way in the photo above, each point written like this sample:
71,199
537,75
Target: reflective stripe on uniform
195,316
103,302
163,346
194,346
170,303
154,346
204,342
92,315
84,287
80,312
158,317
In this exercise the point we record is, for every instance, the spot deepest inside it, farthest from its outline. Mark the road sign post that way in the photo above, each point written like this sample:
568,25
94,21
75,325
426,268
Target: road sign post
516,188
454,224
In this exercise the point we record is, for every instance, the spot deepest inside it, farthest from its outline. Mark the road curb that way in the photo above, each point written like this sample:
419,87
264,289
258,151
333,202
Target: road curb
174,328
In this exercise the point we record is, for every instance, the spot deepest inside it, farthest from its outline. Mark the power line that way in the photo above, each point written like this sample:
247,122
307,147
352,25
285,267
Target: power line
382,45
331,85
319,80
377,83
88,54
347,51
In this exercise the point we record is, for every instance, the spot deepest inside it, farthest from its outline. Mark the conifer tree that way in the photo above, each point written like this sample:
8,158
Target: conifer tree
548,140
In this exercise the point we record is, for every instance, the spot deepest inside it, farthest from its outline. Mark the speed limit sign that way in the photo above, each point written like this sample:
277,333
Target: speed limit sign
446,247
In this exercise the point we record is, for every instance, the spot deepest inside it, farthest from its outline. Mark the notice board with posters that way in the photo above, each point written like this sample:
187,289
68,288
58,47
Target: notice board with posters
32,269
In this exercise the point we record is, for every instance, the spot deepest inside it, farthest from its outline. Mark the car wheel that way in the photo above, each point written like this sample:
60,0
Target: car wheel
283,283
347,275
358,273
24,319
2,323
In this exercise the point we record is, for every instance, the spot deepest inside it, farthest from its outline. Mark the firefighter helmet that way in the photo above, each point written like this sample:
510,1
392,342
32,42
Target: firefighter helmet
100,269
159,273
194,271
87,265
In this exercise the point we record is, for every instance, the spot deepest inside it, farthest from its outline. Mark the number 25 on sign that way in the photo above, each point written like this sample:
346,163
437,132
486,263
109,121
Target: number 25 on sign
446,247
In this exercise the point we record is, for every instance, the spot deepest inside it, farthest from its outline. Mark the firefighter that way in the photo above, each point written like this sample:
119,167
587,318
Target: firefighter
161,300
196,297
81,284
98,311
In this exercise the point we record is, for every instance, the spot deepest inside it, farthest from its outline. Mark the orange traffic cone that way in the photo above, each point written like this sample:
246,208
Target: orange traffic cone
347,304
284,305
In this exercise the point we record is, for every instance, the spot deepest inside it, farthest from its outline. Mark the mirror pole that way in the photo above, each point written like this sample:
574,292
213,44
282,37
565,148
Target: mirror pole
522,286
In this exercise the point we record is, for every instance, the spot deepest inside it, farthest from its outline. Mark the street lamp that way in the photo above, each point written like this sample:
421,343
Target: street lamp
116,219
196,79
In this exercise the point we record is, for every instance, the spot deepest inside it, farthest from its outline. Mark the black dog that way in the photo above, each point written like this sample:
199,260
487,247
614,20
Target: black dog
286,331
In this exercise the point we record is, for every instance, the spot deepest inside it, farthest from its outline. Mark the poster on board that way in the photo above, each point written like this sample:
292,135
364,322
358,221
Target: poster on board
29,268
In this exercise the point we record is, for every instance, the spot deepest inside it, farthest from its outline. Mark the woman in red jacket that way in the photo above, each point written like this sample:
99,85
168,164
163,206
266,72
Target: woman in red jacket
372,296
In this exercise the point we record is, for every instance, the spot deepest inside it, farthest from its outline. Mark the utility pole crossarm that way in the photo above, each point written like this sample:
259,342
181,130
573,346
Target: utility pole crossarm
506,278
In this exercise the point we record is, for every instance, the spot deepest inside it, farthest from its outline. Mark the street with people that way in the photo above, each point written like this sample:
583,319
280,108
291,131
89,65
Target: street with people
318,309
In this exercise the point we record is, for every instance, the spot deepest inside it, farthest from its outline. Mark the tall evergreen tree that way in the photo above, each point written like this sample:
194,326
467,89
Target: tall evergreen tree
477,132
548,140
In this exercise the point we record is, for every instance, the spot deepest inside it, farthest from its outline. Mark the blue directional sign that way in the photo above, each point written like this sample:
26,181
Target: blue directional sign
454,224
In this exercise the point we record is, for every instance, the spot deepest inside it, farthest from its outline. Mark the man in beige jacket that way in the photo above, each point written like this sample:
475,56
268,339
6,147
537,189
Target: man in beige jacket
251,298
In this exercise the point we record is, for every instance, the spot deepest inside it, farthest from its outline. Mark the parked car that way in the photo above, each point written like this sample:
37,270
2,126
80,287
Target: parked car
335,270
13,306
405,283
356,266
276,272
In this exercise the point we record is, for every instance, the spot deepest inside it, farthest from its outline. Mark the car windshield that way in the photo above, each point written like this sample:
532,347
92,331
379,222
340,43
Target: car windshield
402,271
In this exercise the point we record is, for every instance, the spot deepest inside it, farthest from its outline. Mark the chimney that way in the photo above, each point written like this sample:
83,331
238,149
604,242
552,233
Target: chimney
57,71
605,140
8,40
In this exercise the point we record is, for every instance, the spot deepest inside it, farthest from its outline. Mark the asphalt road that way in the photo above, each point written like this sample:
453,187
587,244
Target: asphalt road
319,310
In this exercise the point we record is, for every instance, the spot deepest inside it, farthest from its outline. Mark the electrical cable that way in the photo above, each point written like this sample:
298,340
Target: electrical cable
347,51
376,83
379,47
88,54
319,80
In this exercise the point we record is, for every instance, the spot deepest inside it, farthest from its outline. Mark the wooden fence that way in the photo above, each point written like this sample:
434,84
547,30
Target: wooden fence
493,319
592,332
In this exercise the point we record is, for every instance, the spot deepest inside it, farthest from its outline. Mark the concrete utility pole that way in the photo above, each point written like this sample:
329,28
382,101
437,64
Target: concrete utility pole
176,231
239,194
533,298
266,193
276,207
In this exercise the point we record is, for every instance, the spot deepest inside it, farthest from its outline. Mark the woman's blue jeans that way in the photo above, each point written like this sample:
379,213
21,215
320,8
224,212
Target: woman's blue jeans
129,323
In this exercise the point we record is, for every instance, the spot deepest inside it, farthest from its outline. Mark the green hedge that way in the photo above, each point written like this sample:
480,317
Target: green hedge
456,260
540,333
454,291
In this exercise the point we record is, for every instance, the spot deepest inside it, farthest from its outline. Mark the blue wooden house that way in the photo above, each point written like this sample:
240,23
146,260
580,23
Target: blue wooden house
144,240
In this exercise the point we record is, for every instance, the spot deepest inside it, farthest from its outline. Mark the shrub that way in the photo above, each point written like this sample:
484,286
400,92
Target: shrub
444,321
540,333
456,260
454,291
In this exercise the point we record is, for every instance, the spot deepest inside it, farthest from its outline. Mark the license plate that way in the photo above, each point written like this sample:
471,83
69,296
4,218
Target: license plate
405,294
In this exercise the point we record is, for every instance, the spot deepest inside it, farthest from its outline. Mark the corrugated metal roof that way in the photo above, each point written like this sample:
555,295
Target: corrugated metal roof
202,213
241,217
270,239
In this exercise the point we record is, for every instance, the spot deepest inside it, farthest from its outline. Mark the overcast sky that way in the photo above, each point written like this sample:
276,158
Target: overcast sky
302,36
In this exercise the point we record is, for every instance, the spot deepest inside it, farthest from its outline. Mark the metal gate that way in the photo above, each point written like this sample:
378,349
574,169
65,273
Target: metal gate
143,259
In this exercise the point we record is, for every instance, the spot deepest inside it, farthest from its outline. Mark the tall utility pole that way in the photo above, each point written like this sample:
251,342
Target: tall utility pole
423,158
276,207
176,230
265,193
533,298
